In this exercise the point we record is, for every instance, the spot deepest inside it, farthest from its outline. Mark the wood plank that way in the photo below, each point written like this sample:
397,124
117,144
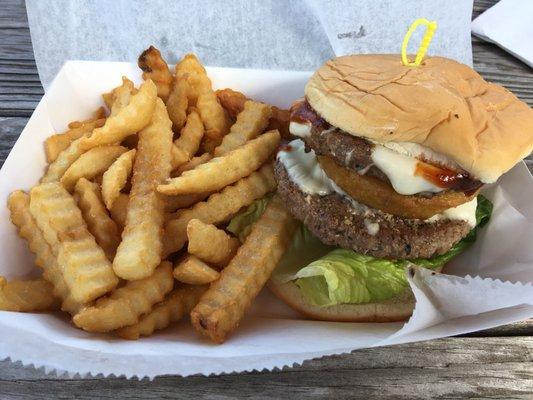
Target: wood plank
495,367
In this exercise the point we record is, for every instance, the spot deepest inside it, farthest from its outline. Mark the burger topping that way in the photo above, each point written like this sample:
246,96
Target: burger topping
300,129
304,118
305,171
401,171
465,212
409,167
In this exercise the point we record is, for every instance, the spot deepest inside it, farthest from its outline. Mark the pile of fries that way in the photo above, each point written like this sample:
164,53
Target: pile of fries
127,222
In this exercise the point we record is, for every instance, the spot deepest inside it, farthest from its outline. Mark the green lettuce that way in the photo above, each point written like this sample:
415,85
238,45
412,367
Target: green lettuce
328,276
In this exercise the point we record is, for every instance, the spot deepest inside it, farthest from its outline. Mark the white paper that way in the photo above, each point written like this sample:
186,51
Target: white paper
272,34
509,24
271,335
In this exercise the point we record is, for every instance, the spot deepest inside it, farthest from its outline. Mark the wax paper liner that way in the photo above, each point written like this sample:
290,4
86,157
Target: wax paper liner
271,336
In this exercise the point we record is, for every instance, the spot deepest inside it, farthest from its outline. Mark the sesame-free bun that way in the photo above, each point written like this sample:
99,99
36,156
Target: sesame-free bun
398,308
442,104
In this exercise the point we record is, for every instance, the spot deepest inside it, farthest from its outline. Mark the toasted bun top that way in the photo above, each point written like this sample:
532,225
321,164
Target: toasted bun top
441,104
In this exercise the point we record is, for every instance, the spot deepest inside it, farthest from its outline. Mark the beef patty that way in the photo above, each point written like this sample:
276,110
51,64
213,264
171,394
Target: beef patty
338,221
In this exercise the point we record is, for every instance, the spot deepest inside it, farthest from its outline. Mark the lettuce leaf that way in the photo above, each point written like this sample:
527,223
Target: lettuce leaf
241,224
328,276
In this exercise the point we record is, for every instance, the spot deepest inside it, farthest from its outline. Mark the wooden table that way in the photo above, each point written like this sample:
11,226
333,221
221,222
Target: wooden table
497,363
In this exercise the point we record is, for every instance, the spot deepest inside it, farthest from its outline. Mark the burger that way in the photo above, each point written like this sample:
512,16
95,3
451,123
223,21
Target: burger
385,170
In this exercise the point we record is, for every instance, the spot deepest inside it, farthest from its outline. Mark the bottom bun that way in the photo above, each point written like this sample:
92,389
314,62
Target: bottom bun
398,308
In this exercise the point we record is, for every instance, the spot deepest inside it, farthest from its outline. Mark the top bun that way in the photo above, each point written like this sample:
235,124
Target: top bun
441,104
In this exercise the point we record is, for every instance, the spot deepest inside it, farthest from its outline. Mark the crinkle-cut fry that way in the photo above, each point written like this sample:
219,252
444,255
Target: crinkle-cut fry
222,307
119,211
19,207
55,144
130,119
194,271
280,120
119,97
251,122
216,122
89,164
176,306
86,270
174,203
116,176
219,207
188,143
139,253
225,170
191,69
99,223
178,103
192,164
210,244
232,101
100,113
125,305
63,161
154,67
27,295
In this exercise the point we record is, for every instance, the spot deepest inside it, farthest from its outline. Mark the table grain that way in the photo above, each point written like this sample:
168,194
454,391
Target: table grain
496,363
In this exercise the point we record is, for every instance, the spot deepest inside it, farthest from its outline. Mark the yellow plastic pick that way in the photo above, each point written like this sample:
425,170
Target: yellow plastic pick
431,27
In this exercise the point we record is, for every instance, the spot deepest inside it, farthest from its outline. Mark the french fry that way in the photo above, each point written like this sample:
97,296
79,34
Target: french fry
189,140
119,97
233,103
224,170
194,271
27,296
216,122
130,119
125,305
251,122
280,120
210,244
100,113
223,305
177,103
173,203
190,69
154,67
116,176
192,164
119,211
55,144
19,207
219,207
177,304
90,164
200,93
99,223
86,270
139,253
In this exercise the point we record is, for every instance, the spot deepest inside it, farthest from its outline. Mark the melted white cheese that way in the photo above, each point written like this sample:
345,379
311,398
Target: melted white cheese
299,129
305,171
465,212
418,151
400,169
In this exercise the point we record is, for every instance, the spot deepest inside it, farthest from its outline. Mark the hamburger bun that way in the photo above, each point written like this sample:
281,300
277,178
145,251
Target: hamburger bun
398,308
442,104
